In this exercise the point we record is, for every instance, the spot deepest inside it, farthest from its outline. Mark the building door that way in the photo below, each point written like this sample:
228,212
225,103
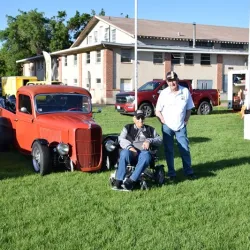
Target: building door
204,84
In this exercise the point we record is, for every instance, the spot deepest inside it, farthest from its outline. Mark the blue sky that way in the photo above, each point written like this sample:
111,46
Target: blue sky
214,12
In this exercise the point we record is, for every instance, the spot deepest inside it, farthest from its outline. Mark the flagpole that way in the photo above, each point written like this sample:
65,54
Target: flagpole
135,57
248,67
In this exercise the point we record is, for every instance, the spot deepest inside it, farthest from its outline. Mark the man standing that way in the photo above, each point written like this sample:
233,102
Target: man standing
173,108
135,140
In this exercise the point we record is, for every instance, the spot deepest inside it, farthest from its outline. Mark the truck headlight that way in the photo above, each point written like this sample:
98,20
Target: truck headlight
62,148
130,98
109,145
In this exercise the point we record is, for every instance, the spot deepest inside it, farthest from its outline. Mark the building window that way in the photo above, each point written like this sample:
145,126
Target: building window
88,57
205,59
113,35
158,57
98,56
95,36
126,85
24,101
106,35
65,61
189,58
176,58
202,44
100,33
232,46
126,55
75,81
89,39
98,80
75,60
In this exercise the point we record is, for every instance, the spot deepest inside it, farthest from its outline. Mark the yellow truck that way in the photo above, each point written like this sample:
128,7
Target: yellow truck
10,84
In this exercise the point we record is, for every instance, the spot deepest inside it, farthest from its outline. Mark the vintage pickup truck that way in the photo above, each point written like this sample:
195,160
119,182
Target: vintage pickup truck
147,96
54,124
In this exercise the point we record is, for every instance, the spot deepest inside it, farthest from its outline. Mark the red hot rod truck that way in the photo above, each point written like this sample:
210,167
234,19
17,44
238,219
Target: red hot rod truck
54,124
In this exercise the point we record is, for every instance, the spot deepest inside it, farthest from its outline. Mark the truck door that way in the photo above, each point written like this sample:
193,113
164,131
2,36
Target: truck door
25,128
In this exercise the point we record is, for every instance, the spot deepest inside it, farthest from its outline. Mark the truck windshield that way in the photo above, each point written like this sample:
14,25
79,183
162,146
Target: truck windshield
149,86
53,103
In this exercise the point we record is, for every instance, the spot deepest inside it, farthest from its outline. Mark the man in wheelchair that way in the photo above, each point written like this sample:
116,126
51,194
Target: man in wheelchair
136,141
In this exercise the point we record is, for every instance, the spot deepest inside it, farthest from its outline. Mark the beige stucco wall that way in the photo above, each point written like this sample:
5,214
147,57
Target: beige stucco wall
96,71
70,72
196,71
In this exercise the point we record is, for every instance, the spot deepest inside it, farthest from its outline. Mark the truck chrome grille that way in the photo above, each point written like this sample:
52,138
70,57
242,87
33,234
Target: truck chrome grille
121,99
88,147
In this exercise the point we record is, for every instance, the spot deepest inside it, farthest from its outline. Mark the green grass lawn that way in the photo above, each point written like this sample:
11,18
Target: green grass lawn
79,210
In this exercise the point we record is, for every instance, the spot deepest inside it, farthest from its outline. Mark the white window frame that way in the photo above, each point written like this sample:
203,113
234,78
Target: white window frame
65,61
157,57
176,58
106,35
205,59
113,36
98,56
189,59
126,55
95,36
89,39
88,57
75,60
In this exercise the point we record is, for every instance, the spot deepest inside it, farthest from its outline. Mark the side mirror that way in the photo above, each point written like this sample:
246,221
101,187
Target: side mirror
24,110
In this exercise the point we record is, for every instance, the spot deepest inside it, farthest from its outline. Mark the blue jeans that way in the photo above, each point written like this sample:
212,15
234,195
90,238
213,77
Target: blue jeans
142,161
183,145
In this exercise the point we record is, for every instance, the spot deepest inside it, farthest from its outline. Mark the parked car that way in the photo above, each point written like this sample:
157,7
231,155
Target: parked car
147,95
54,124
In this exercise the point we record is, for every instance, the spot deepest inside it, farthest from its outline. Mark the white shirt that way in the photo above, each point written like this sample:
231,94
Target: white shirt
173,106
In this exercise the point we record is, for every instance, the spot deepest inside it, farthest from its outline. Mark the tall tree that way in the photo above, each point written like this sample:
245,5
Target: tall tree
29,33
79,21
59,33
25,35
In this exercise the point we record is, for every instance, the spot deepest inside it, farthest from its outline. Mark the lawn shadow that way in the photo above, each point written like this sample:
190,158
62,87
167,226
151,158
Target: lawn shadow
14,164
208,169
222,111
198,139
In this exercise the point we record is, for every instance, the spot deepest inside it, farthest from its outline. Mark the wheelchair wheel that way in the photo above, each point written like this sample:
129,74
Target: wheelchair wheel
159,175
144,185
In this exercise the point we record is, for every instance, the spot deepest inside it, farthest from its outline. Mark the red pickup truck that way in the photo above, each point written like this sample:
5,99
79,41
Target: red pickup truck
147,95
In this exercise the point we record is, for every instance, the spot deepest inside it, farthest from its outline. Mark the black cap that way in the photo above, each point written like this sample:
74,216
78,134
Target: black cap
171,75
139,113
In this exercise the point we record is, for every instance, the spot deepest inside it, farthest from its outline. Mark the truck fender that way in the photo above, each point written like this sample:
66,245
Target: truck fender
41,141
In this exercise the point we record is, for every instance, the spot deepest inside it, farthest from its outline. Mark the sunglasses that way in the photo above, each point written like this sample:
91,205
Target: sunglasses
140,117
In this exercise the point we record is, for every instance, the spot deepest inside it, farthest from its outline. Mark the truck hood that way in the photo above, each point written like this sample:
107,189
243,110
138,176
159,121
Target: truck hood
66,120
126,93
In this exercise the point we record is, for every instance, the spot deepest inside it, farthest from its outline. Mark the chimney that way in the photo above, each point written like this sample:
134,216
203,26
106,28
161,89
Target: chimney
194,34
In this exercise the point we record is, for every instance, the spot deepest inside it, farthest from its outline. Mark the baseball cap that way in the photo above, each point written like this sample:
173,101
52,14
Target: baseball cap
171,75
139,114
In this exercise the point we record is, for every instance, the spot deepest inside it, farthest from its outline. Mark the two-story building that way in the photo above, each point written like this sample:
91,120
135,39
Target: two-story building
102,57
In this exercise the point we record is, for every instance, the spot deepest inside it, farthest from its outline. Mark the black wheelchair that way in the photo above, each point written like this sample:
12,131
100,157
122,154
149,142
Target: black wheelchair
153,175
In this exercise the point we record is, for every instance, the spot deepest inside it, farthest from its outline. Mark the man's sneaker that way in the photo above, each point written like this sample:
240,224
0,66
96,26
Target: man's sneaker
119,189
192,177
128,184
118,186
172,179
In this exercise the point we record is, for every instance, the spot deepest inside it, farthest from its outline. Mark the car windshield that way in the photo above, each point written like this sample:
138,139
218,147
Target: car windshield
149,86
51,103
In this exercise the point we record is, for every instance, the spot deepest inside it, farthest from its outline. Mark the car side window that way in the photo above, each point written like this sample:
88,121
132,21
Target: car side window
183,84
25,102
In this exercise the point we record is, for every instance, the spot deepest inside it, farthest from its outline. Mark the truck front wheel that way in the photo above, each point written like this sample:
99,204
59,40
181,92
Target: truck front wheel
205,108
147,108
41,158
